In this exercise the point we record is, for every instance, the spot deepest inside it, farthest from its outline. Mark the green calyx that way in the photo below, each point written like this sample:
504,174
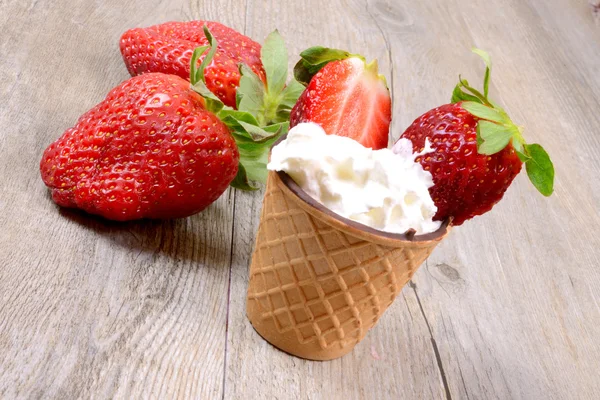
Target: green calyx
495,130
313,59
263,109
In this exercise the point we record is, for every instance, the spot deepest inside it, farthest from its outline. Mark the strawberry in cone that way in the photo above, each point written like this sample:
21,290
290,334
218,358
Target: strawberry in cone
477,152
346,222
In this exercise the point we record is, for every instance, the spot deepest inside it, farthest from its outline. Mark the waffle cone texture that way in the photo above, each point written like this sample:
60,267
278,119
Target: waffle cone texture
319,282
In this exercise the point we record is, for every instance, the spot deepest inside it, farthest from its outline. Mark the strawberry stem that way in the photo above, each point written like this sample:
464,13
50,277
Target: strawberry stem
197,73
495,130
482,97
488,67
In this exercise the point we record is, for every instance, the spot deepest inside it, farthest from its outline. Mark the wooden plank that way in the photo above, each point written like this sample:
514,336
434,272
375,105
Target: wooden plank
397,359
511,302
511,297
88,307
507,307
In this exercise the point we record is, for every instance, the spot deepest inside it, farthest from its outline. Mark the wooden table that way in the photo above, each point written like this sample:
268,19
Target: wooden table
506,307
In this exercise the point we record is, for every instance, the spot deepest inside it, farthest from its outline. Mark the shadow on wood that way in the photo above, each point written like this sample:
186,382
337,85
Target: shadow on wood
180,239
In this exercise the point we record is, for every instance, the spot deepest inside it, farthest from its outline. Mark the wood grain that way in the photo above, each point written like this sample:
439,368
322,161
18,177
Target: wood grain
508,295
467,353
506,307
91,308
253,366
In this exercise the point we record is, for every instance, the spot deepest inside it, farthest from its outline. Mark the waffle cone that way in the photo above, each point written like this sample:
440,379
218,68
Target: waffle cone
319,282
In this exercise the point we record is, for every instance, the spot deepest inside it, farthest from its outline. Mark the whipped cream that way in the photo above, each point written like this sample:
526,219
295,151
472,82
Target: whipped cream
384,189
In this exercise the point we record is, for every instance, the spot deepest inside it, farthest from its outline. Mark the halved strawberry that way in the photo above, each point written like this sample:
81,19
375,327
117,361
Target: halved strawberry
343,94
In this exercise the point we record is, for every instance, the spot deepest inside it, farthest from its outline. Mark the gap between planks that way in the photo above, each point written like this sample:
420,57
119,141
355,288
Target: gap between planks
436,351
233,194
412,285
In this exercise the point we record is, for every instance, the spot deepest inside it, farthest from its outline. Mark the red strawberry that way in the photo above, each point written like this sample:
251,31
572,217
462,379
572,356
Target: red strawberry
149,150
168,48
156,148
345,95
477,152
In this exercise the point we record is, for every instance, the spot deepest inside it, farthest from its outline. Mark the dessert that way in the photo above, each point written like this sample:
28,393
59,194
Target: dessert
384,189
345,220
318,280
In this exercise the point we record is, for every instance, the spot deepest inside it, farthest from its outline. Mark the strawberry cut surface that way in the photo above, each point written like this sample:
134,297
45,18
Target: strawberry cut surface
347,98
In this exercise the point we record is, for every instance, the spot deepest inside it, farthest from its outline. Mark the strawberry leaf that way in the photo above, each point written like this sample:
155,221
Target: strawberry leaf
256,133
522,156
540,169
518,145
263,112
463,83
211,101
238,115
251,125
495,130
263,109
493,137
196,74
241,180
245,126
488,67
211,53
289,97
478,137
318,55
484,112
271,102
290,94
275,62
315,58
254,157
280,99
251,92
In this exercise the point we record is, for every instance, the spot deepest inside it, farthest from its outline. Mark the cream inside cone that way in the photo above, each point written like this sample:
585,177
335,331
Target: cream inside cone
319,282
